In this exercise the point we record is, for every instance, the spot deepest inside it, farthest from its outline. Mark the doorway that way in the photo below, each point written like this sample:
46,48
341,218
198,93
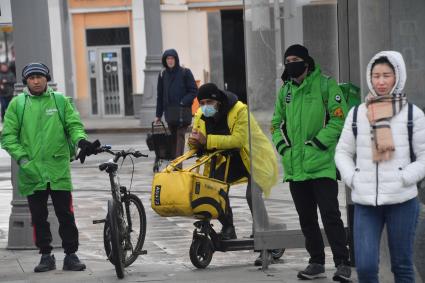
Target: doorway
110,76
232,27
111,85
106,83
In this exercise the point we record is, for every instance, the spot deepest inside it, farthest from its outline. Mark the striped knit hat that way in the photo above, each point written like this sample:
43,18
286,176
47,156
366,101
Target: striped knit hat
33,69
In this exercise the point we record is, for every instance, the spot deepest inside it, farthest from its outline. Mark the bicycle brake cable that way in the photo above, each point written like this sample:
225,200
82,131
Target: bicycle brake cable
132,173
118,175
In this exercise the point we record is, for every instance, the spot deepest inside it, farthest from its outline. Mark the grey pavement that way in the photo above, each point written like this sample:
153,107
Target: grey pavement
168,239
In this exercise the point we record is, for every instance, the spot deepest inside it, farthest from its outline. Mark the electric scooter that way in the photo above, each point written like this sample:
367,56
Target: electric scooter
206,240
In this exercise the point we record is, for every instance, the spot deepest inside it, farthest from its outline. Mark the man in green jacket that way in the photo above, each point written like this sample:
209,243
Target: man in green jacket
38,127
308,118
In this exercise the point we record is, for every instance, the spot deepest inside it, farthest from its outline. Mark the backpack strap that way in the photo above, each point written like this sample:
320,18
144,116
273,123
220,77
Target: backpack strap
284,93
21,102
161,74
324,89
354,122
410,130
60,106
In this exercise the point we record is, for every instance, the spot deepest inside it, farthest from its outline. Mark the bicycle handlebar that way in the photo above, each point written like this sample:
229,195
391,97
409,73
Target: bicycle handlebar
121,153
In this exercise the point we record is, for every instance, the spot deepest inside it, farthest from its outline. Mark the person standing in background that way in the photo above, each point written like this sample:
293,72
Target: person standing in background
176,90
7,82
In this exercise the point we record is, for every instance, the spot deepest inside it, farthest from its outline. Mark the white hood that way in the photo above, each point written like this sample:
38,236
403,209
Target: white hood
396,59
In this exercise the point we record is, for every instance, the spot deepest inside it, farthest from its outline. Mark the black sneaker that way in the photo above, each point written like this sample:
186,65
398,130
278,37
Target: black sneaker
312,271
47,262
73,263
228,232
259,260
342,273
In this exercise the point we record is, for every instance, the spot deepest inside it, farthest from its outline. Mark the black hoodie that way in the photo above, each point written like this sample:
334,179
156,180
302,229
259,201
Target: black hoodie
176,86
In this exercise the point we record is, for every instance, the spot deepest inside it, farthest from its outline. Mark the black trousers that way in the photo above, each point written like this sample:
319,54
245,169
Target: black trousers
62,203
178,136
236,172
322,193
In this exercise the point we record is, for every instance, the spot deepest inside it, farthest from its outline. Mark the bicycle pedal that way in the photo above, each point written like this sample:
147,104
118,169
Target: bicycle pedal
142,252
99,221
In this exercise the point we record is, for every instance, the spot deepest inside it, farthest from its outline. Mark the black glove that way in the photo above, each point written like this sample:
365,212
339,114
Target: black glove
86,149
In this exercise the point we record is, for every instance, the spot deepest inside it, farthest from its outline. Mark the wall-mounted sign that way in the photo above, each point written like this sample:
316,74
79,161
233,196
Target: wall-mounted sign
5,13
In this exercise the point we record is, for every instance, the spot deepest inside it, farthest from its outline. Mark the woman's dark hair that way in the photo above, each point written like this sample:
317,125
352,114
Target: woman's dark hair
382,60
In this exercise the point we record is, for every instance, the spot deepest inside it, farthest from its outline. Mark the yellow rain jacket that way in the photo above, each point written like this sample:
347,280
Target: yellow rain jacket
265,168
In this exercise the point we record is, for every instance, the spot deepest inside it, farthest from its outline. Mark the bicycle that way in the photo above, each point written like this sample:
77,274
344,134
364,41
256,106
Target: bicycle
125,223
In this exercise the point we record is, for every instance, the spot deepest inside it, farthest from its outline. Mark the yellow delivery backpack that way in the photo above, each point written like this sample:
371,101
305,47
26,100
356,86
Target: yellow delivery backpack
186,192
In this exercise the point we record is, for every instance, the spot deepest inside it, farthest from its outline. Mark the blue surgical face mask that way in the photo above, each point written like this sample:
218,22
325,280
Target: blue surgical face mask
208,110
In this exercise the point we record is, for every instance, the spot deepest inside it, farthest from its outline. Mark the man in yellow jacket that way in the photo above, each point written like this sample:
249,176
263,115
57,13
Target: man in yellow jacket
222,123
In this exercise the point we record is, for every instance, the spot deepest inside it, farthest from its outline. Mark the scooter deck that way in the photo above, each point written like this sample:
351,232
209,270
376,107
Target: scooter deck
236,245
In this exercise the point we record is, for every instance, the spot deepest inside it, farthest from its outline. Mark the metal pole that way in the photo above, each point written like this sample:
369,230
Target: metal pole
6,46
153,60
278,44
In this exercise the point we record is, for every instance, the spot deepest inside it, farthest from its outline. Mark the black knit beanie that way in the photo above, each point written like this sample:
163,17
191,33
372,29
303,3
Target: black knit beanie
297,50
210,91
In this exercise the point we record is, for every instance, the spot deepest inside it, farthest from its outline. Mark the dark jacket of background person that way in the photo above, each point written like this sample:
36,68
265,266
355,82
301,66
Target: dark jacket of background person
7,81
176,86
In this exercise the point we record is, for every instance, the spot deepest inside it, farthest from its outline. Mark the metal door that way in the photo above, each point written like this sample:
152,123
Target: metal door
110,86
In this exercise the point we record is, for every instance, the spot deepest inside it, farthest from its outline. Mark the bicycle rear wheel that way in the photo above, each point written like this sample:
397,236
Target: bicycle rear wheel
115,242
135,217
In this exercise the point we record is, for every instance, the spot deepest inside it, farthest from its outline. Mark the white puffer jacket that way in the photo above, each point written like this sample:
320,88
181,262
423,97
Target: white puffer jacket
386,182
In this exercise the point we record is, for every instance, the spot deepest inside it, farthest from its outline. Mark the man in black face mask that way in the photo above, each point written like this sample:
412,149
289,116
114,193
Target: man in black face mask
307,121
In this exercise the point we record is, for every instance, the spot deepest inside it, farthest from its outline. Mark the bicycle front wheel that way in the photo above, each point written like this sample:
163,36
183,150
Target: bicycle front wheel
116,247
135,217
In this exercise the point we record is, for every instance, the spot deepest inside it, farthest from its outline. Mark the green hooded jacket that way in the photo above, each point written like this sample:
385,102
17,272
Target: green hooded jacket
41,140
306,126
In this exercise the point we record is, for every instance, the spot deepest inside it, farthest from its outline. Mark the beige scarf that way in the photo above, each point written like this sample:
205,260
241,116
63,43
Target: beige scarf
380,110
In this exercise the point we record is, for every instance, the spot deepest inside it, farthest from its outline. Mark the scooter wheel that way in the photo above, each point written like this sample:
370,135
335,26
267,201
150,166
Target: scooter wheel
277,253
201,252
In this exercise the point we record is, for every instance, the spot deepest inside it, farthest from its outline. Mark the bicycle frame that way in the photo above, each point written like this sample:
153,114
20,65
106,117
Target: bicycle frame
111,169
118,192
121,224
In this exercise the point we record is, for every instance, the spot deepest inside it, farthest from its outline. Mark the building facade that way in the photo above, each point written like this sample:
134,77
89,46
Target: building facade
100,46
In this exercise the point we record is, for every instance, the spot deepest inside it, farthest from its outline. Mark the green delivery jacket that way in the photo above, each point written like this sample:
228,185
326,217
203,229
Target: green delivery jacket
306,126
41,140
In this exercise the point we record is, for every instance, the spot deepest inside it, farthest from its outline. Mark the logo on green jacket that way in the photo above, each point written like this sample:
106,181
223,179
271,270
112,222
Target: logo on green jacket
288,97
51,111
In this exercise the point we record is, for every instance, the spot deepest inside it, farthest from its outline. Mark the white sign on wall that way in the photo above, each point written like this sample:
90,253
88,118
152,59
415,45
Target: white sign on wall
5,12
